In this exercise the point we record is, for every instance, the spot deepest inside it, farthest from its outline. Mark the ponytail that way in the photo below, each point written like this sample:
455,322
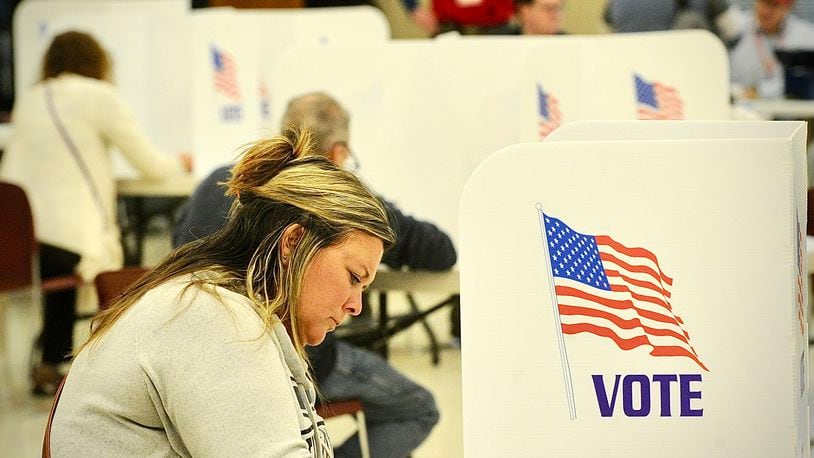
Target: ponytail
263,160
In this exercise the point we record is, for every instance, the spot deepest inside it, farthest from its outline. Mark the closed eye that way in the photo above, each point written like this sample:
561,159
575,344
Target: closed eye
354,279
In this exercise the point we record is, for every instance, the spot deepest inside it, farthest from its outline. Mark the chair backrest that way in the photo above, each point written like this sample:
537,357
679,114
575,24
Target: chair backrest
17,242
108,285
111,284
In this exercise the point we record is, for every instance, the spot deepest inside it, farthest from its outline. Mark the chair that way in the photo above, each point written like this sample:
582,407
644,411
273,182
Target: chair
348,407
111,284
19,262
18,247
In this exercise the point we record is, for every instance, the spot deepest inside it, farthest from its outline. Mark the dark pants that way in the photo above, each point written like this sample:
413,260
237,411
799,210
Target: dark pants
60,307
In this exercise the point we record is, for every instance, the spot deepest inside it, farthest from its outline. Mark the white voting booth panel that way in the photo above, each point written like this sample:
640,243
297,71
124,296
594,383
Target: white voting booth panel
148,43
33,27
226,102
197,80
666,65
639,296
425,114
240,49
280,29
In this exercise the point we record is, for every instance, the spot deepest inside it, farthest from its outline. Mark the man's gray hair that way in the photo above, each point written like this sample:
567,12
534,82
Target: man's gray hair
322,115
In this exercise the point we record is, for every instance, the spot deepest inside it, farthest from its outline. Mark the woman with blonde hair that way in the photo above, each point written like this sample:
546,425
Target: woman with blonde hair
204,355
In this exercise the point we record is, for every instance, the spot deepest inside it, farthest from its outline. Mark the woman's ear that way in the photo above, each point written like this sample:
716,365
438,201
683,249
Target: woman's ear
291,237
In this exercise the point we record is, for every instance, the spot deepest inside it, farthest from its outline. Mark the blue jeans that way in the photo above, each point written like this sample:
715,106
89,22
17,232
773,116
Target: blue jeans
399,413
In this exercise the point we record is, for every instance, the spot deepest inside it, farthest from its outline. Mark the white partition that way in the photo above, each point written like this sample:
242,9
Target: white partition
252,42
426,113
423,114
33,26
167,62
148,41
666,63
280,29
226,99
697,343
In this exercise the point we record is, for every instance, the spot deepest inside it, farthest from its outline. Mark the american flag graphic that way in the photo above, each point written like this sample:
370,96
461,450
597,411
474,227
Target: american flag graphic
265,110
549,110
607,289
225,73
657,101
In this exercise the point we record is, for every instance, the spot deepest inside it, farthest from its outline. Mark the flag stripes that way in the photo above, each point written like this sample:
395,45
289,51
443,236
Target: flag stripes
549,110
225,74
657,101
614,291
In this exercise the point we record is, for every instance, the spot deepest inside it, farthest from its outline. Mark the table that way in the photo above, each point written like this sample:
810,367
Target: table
782,108
171,193
447,283
180,186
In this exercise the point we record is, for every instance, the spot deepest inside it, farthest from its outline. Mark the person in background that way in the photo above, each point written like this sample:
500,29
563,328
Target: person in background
754,69
484,17
59,153
399,413
717,16
539,17
204,355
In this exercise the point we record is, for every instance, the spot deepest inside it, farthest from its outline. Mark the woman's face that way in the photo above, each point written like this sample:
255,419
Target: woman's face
333,284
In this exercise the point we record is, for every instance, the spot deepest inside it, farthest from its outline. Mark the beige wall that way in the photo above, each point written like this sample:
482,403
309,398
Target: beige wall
585,16
401,26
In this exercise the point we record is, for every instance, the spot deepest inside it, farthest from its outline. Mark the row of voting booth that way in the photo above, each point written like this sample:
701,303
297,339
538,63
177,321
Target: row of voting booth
627,286
638,287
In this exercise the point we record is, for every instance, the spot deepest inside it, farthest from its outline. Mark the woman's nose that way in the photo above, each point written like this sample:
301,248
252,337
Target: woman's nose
354,304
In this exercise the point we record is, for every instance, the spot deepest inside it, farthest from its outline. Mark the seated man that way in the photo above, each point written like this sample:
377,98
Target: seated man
399,413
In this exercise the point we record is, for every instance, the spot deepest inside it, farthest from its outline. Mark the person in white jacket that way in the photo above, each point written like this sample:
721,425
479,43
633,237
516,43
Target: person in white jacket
204,356
59,153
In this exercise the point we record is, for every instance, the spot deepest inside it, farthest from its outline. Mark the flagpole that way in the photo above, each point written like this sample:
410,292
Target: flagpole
566,367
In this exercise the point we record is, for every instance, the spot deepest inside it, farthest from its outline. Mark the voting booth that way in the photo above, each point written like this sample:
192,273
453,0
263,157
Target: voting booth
196,80
148,42
431,111
637,289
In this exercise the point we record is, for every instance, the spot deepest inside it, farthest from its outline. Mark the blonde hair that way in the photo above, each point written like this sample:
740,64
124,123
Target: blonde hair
278,182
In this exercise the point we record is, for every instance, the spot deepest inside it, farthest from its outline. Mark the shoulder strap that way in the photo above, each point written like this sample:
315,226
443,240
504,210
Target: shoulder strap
63,132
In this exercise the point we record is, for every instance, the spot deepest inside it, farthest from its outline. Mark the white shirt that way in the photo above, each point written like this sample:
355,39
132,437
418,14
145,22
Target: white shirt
65,211
752,61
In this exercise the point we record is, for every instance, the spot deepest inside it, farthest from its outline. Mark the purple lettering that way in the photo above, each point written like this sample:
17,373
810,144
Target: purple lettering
687,395
605,407
644,395
664,391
